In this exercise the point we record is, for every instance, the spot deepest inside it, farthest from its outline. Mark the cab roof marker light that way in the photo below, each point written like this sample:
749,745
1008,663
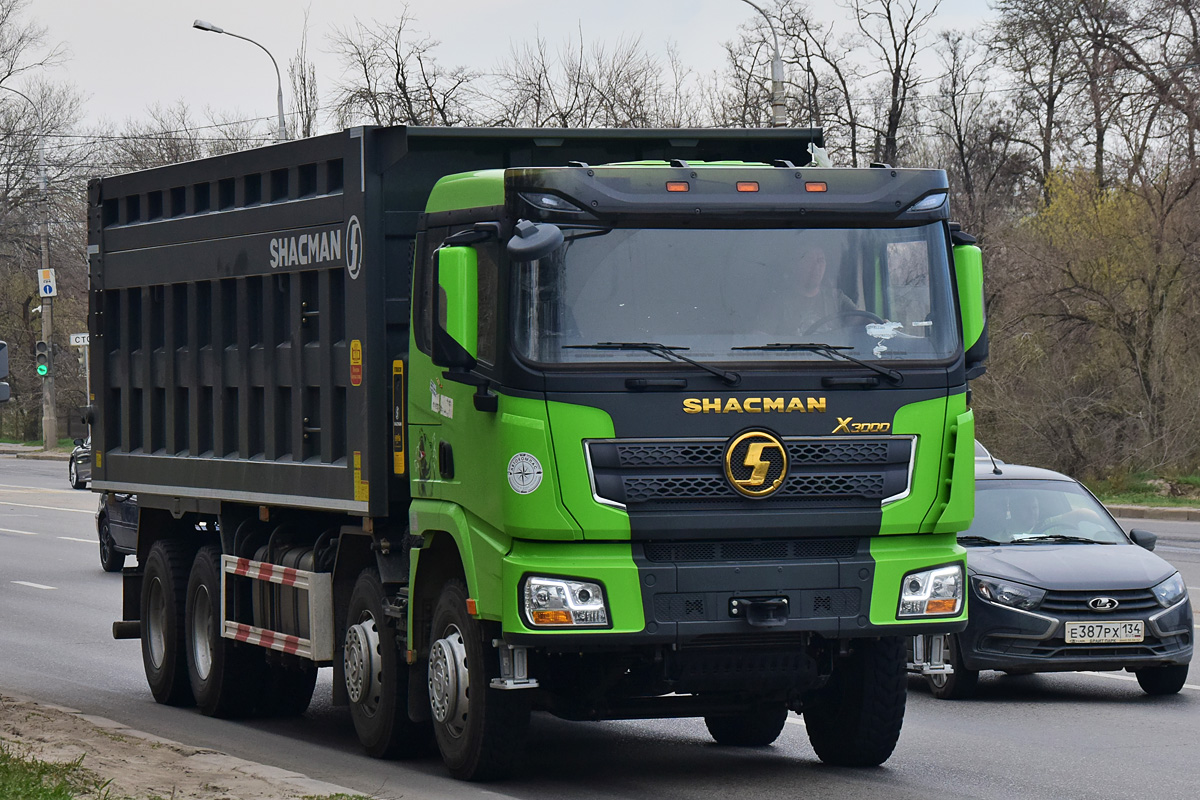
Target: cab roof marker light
747,186
678,186
930,203
816,186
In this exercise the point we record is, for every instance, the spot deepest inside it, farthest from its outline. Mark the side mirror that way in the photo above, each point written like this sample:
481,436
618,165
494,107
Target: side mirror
456,308
79,442
1144,539
533,240
968,271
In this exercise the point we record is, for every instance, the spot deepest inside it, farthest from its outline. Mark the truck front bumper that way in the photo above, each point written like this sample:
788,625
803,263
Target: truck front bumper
755,592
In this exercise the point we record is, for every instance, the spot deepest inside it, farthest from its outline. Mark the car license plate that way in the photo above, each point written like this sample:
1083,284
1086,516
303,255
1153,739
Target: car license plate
1105,632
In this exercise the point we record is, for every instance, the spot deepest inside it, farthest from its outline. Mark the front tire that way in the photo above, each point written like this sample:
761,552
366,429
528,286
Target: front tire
959,684
73,475
855,720
1162,680
164,597
757,728
480,731
377,679
110,559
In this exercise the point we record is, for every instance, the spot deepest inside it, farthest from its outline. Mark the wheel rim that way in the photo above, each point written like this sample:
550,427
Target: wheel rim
74,474
157,623
202,618
449,681
106,543
363,663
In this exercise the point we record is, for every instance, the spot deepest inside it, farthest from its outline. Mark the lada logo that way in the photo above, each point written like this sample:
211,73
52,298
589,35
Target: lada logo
756,463
1103,604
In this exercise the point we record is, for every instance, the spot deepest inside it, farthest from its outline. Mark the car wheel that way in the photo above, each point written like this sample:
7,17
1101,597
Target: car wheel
956,685
110,559
73,474
164,593
1162,680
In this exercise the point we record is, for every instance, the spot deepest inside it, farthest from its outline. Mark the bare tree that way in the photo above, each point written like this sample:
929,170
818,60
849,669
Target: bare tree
394,78
302,75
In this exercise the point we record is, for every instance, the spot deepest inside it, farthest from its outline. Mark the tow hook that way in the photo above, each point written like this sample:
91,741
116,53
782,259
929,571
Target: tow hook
760,612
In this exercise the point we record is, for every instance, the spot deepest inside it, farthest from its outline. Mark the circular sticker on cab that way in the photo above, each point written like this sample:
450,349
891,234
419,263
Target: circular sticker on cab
524,473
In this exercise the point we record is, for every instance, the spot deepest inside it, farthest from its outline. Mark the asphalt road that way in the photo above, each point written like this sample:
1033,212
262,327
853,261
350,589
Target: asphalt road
1051,736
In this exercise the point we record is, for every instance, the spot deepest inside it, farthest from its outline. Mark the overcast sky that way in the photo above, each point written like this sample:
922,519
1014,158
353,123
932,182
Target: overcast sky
128,54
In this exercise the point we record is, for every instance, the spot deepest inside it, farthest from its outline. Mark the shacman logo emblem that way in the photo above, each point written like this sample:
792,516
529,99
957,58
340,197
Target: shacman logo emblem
756,463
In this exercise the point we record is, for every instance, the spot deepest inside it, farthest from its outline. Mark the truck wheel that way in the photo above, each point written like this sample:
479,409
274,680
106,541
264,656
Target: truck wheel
959,684
110,559
288,690
164,590
1162,680
377,679
480,731
855,721
222,673
756,728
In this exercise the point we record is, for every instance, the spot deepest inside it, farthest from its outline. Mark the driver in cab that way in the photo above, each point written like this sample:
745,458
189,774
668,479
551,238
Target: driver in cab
807,301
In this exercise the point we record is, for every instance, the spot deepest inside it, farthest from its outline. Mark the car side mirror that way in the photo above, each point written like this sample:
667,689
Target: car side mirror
968,273
533,240
79,442
1144,539
456,308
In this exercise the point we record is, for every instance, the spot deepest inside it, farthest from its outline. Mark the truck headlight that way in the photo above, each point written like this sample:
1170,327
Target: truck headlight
1170,591
1009,593
934,592
564,603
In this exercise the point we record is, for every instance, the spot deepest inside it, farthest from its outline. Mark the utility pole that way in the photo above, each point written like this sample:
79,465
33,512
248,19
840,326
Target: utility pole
778,106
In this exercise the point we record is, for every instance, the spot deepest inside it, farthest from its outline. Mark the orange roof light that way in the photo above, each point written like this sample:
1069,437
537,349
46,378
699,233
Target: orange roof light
816,186
747,186
677,186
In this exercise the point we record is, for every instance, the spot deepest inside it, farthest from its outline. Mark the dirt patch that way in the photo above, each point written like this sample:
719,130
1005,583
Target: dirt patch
142,766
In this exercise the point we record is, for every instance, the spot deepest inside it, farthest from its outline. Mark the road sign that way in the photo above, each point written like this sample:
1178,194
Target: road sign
46,285
79,340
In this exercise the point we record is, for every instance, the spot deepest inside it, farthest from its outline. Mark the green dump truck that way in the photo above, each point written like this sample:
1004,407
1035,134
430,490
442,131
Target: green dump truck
609,424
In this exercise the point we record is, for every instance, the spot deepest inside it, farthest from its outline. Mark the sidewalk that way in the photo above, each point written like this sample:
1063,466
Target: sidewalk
34,451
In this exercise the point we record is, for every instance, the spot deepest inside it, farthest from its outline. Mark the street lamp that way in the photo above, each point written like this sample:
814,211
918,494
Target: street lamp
281,133
778,113
49,412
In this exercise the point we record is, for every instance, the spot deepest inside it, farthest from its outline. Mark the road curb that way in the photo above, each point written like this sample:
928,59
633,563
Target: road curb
1173,513
295,783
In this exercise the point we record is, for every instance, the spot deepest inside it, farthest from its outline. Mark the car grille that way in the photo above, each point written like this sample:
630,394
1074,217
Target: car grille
688,474
806,604
1076,603
1057,648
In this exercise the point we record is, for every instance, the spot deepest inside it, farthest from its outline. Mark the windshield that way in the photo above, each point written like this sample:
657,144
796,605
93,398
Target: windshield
1017,512
881,294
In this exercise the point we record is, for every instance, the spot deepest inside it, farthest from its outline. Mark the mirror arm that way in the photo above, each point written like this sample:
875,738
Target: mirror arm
483,397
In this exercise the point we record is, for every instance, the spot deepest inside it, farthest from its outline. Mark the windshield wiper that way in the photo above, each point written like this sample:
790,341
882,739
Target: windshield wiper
977,540
1056,537
833,350
662,351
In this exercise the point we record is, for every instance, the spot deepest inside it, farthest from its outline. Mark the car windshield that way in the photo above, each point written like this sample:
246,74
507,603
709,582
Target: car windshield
875,294
1036,511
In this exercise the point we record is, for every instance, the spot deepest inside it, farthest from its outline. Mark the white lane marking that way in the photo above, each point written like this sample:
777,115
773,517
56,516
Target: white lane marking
90,511
73,539
36,489
1129,678
32,585
1193,589
796,720
23,533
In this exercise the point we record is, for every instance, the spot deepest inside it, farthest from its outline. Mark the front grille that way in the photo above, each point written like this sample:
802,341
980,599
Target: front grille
1130,601
689,474
1057,648
751,550
805,604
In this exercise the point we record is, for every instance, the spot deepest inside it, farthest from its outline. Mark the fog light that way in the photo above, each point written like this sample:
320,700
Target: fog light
932,592
564,603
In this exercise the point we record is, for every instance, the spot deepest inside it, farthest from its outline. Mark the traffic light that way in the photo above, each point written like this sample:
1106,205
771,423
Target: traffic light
5,392
42,350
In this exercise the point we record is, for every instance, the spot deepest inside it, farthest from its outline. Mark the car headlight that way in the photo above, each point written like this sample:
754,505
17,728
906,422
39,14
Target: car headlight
1008,593
934,592
564,603
1170,591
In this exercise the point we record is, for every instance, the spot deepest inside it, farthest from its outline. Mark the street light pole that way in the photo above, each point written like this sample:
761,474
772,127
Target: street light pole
281,134
778,110
49,410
